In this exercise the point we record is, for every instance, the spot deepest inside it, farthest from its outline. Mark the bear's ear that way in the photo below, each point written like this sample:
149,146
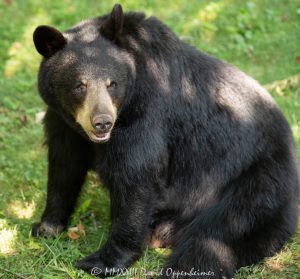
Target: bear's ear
48,40
112,28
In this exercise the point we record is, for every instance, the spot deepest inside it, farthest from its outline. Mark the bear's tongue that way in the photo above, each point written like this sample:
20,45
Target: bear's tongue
100,136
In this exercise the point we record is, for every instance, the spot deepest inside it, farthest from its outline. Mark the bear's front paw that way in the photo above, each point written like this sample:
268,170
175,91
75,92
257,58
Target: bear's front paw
46,229
94,265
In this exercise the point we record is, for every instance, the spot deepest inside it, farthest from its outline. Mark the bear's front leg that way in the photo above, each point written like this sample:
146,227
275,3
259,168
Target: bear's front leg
68,164
130,214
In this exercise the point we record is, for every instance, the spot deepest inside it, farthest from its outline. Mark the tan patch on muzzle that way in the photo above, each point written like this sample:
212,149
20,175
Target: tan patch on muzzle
97,101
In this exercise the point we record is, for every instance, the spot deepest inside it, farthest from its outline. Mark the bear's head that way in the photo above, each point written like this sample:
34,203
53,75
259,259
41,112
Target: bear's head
84,73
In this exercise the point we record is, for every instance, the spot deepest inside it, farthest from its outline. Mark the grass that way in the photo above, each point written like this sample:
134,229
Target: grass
261,37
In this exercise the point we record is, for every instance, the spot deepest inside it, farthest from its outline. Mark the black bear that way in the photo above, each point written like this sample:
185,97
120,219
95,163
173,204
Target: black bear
194,153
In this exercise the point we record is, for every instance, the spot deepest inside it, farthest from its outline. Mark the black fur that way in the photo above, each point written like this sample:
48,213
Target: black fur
196,141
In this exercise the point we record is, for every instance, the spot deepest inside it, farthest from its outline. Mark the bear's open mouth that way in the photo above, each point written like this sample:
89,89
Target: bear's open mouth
99,137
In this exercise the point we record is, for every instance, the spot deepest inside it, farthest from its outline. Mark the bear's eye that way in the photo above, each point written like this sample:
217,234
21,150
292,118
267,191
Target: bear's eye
112,85
80,88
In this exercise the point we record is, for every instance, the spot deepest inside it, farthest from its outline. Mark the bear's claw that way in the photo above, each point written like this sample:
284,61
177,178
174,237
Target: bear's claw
46,229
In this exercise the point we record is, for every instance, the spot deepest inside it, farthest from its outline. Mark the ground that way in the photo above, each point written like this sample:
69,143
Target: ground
261,37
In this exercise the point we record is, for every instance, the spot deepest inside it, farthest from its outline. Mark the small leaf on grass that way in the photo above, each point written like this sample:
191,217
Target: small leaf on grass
76,232
39,116
73,229
81,229
8,2
23,119
298,59
73,235
284,18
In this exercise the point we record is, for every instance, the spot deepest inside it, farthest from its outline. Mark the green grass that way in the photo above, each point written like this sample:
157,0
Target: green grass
261,37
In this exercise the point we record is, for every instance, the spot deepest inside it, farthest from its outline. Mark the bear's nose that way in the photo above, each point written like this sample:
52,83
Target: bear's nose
102,123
